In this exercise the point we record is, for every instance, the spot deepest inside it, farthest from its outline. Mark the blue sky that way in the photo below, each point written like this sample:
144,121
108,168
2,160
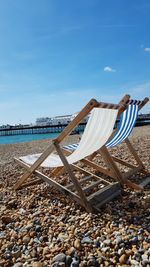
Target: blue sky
55,55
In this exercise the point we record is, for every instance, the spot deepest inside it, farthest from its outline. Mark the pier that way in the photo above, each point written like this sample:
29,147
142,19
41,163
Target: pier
13,130
36,129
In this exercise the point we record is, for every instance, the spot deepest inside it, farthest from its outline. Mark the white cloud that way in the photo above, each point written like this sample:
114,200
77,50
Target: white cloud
109,69
147,49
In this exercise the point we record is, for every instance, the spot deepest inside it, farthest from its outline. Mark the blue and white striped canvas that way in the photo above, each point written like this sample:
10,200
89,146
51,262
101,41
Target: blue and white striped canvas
71,147
127,122
126,125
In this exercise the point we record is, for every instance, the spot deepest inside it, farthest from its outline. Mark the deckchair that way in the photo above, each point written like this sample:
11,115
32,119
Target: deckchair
126,125
100,124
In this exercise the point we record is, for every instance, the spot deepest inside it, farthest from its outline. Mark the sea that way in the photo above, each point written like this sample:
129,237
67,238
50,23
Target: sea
12,139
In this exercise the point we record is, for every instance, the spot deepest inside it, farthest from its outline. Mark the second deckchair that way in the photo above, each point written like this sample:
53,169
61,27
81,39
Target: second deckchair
101,123
127,122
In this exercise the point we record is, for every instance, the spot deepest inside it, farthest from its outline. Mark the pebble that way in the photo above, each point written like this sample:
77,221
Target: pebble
123,259
37,264
26,239
75,263
77,244
60,258
40,227
86,240
18,264
68,261
6,219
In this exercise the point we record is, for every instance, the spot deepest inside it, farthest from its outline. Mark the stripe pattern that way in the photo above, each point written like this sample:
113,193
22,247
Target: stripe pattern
126,124
71,147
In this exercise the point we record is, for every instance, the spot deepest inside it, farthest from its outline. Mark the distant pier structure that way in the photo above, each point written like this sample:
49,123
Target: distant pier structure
43,125
56,126
12,130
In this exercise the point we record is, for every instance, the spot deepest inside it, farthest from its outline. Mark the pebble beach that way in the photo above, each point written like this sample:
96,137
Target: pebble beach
41,227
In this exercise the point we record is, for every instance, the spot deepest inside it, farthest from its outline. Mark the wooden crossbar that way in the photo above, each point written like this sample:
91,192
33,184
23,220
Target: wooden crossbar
91,186
107,172
32,182
129,165
81,181
92,174
97,197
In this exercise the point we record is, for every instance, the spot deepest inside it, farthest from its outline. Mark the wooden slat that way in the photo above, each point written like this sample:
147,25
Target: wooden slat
98,168
91,186
144,102
91,157
107,199
97,197
123,162
108,105
87,172
124,100
57,171
81,181
132,172
33,182
133,185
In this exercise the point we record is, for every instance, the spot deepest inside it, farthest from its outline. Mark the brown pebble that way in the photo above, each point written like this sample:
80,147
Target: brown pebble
123,259
26,239
62,264
46,250
6,219
37,264
77,244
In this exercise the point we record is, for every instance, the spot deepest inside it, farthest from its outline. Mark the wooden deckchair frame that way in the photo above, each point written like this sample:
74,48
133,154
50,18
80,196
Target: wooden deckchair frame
80,198
113,170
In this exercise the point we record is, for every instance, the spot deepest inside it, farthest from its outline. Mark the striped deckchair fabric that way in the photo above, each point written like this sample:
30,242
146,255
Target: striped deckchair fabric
71,147
126,124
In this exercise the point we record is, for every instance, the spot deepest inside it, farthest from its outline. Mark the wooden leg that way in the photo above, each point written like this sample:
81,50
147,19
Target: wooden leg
111,164
116,171
73,178
134,153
